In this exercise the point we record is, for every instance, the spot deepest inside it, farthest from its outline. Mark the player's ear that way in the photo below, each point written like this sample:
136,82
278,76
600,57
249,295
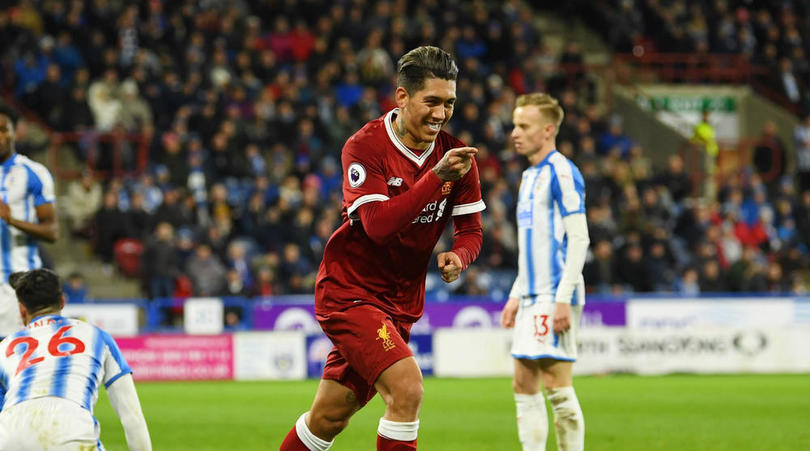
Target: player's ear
401,97
551,130
23,310
62,303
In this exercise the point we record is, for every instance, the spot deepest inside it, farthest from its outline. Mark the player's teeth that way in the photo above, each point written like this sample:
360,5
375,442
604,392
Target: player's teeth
434,126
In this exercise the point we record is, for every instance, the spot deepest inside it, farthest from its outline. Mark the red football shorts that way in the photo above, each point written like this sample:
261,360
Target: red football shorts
366,342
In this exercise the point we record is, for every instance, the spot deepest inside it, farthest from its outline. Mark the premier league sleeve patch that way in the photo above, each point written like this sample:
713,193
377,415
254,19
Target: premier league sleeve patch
357,174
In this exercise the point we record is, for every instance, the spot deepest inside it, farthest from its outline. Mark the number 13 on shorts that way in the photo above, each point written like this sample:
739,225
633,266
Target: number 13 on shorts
540,327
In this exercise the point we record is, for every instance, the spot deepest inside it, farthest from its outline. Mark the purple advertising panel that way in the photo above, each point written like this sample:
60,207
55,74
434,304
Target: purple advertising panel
300,316
318,347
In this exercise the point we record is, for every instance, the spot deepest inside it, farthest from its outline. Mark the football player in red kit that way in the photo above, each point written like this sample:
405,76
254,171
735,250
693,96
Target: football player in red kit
404,178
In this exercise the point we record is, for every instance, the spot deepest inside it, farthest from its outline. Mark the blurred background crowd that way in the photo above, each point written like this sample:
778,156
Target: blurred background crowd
244,107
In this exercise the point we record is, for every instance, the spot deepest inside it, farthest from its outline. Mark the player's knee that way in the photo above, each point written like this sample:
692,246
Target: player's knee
525,385
407,397
326,425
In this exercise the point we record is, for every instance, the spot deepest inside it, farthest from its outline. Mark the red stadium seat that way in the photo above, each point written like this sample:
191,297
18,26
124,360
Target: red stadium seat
183,287
127,253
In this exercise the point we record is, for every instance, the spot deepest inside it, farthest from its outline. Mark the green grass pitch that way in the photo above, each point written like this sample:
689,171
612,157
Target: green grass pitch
679,412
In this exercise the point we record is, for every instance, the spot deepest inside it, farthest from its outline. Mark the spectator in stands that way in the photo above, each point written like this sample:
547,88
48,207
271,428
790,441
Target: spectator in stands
139,221
238,260
172,209
265,284
675,179
78,116
159,262
770,156
688,284
206,271
75,288
234,286
110,225
103,100
614,139
50,97
633,271
600,269
801,136
80,204
296,271
135,114
711,278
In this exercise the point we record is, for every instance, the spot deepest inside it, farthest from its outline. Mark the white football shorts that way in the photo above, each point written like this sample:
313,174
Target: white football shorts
48,423
534,336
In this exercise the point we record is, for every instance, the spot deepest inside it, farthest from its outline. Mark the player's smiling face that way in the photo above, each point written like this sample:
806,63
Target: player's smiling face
424,112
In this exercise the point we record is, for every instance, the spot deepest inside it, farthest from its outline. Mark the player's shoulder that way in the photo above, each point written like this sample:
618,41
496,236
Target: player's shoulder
562,164
370,143
22,160
36,167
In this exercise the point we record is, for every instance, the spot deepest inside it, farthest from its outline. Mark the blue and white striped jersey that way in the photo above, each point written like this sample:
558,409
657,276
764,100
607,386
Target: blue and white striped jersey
549,191
58,356
24,185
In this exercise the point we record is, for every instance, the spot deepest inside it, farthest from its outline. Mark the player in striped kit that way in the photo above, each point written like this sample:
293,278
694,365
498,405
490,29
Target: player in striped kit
27,214
546,300
51,371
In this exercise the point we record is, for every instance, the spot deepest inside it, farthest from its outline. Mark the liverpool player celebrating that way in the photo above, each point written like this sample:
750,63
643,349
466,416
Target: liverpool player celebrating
404,178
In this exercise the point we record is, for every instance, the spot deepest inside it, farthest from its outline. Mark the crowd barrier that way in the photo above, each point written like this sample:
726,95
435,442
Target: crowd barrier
280,338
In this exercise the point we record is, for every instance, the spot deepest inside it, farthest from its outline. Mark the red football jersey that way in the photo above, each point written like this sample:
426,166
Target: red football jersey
377,166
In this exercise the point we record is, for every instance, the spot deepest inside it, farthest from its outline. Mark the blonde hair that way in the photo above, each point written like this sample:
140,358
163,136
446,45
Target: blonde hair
549,106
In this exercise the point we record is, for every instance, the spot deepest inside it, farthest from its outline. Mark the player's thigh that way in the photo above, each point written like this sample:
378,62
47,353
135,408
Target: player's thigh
557,373
369,341
401,382
527,376
334,401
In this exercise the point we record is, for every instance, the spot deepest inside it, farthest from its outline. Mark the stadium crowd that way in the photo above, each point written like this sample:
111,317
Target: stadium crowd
246,106
768,34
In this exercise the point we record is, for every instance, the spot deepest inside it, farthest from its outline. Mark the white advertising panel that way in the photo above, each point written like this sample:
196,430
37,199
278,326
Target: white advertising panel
687,313
472,352
203,316
270,355
118,320
477,353
709,350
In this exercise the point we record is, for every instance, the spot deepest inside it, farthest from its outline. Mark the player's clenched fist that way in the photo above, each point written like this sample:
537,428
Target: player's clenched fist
455,163
449,265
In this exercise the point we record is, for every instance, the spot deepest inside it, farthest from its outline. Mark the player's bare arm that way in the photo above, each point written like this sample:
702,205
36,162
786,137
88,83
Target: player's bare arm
455,163
46,229
450,266
509,312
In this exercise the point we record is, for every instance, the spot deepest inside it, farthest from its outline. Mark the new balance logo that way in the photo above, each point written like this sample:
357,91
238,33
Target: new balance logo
395,181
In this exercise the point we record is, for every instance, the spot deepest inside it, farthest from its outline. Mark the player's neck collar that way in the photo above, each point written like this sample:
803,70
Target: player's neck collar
545,158
44,315
419,160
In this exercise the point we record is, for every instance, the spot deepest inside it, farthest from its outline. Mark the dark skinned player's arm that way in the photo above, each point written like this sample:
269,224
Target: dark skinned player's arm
47,229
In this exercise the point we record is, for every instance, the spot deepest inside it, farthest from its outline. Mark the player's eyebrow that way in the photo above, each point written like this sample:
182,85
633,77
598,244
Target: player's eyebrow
440,99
